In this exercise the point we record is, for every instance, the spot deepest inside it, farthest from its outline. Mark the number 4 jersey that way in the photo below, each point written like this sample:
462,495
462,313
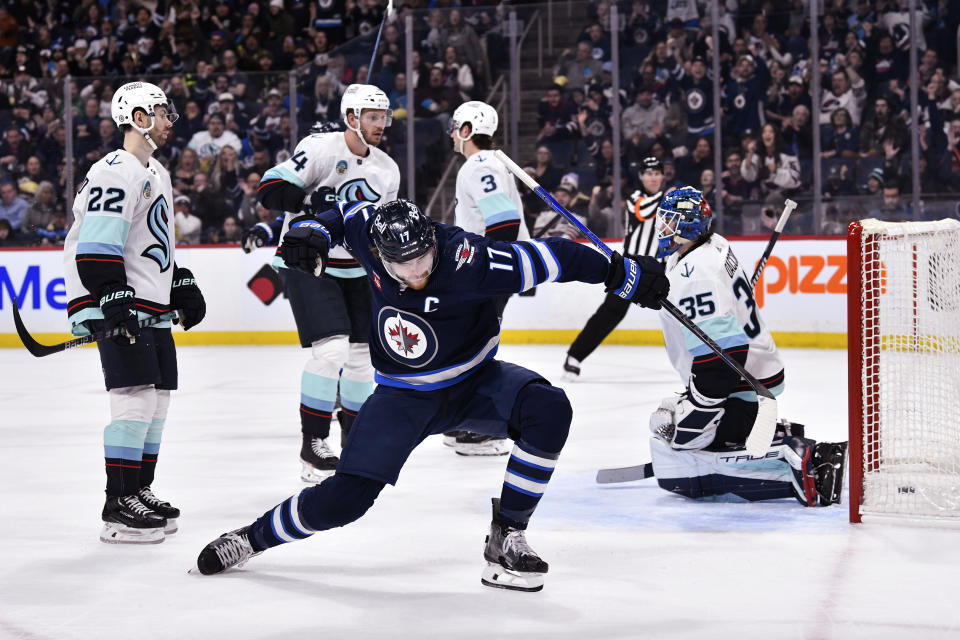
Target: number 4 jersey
122,234
709,285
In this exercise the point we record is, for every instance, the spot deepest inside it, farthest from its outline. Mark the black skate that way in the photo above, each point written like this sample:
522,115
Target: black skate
799,455
478,444
232,549
450,437
511,563
160,507
571,368
126,520
829,460
318,459
346,421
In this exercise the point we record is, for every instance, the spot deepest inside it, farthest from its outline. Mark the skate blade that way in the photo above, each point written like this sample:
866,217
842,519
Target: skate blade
171,527
312,475
449,441
569,376
496,448
119,534
494,575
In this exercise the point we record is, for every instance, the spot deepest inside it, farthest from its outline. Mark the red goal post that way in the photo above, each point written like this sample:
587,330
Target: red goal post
903,319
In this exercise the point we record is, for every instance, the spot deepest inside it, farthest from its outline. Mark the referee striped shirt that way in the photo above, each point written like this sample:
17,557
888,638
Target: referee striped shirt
641,223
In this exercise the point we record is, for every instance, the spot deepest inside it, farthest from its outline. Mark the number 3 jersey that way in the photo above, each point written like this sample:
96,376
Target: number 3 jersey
122,234
437,336
325,160
487,198
709,285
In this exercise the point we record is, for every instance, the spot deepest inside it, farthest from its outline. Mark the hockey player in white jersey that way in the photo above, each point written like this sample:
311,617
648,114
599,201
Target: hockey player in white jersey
324,168
640,239
487,204
120,268
698,438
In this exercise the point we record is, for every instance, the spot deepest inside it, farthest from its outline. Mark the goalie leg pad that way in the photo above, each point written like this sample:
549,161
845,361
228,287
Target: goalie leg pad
700,474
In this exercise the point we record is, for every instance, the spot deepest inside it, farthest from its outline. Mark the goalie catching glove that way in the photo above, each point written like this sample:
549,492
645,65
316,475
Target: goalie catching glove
688,420
637,279
305,247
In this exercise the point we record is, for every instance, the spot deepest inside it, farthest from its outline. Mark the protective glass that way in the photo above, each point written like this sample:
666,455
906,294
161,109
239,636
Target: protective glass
413,270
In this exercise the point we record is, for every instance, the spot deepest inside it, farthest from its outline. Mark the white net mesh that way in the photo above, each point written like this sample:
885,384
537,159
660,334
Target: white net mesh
910,302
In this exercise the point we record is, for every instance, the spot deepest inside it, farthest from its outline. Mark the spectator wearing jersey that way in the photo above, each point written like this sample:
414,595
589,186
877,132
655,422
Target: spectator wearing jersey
847,90
798,133
744,96
875,127
767,163
207,143
556,116
840,138
697,97
691,166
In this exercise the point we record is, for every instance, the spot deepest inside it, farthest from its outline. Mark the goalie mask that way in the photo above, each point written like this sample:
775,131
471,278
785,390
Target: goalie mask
406,242
684,217
141,96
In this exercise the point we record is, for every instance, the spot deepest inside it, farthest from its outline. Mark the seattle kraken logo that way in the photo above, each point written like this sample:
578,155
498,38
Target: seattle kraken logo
406,337
158,221
356,190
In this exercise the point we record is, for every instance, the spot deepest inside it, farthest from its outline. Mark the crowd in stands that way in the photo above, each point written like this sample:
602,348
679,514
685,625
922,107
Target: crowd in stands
667,105
227,66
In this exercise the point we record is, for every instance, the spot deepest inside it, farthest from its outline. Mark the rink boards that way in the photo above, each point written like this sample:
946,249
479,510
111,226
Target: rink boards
802,296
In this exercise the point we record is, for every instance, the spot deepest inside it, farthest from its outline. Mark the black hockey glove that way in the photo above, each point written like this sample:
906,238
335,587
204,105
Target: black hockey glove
321,200
186,298
638,279
118,305
305,248
259,235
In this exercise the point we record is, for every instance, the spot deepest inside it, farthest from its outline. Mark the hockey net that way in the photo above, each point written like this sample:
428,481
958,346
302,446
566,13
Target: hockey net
904,376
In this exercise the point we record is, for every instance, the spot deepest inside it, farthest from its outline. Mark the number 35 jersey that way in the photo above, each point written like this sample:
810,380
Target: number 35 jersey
122,234
708,284
487,197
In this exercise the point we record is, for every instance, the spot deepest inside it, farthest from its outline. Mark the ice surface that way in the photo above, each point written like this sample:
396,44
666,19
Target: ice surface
627,561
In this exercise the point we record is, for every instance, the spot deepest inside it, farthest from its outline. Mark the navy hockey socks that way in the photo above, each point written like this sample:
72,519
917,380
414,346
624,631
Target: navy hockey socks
335,502
123,454
528,472
318,396
151,449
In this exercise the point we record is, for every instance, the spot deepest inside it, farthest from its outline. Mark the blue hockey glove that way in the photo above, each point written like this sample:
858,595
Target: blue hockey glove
305,248
638,279
259,235
118,304
185,297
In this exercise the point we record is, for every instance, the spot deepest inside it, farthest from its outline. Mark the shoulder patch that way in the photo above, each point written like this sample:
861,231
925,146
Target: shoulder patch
730,263
464,254
146,190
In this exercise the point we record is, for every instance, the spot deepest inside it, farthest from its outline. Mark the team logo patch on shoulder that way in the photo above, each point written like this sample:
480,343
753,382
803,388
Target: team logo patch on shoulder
464,253
342,167
147,191
406,337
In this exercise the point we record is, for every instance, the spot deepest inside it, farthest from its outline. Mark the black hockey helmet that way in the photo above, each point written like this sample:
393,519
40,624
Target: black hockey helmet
651,162
401,232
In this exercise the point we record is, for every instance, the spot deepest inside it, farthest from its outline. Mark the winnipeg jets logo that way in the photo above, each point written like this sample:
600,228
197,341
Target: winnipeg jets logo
158,222
464,254
356,190
406,337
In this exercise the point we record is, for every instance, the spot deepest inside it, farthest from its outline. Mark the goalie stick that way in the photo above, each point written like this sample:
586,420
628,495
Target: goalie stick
788,207
41,350
376,44
761,434
643,471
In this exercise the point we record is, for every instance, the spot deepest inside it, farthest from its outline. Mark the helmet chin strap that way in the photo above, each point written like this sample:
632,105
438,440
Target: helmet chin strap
357,130
462,140
146,132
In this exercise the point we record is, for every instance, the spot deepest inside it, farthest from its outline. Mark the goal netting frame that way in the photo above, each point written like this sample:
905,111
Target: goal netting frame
903,319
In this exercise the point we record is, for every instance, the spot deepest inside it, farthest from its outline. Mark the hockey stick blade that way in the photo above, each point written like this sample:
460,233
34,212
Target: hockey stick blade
40,350
766,423
625,474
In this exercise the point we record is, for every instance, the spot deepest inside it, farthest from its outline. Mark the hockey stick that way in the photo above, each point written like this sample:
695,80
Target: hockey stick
761,434
625,474
376,45
788,207
40,350
550,225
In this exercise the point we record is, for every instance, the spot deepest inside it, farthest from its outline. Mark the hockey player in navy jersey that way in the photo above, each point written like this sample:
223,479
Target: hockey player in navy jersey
699,434
434,334
119,268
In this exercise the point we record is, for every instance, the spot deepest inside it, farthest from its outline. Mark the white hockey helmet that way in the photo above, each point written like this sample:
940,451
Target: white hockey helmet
358,97
482,118
140,95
